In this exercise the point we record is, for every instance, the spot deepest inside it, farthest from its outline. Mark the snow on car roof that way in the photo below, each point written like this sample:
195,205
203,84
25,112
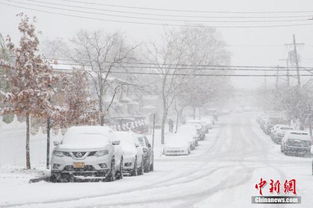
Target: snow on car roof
87,137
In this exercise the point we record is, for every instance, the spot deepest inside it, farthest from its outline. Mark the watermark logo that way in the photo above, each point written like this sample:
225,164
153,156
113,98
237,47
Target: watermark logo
285,192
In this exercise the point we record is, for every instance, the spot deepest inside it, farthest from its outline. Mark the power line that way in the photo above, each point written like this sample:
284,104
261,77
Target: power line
186,11
278,19
48,5
151,23
195,68
188,74
149,65
60,70
192,65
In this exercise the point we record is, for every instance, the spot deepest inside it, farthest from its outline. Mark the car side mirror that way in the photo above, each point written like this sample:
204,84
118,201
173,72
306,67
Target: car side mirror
137,145
149,145
117,142
56,143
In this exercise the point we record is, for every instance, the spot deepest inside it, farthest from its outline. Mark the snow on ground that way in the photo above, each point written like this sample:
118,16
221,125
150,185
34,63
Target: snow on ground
222,172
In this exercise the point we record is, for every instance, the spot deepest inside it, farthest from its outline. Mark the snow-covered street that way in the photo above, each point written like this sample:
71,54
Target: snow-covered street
222,172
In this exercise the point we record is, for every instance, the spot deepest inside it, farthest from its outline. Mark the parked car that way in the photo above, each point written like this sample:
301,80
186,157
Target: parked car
175,145
271,121
147,152
133,158
296,142
279,131
190,134
87,152
199,126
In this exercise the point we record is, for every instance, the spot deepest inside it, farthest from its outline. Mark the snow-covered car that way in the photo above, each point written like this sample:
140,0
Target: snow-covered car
87,152
133,158
191,134
271,121
279,131
146,146
296,142
175,145
200,127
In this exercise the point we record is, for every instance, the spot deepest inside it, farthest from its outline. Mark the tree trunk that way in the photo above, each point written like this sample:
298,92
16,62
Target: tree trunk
164,117
101,111
48,142
194,113
177,121
28,166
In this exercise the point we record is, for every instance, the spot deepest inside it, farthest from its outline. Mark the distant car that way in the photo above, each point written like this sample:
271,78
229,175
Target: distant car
296,142
271,121
190,134
200,127
147,152
175,145
279,131
133,158
87,152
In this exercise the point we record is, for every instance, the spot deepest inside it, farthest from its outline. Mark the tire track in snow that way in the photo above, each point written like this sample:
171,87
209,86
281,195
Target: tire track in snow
141,188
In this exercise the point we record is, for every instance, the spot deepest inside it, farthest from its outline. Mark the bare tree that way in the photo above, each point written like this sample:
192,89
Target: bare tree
168,56
183,50
203,47
101,52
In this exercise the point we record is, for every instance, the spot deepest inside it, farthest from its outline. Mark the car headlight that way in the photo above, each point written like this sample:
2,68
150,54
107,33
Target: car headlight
102,153
58,153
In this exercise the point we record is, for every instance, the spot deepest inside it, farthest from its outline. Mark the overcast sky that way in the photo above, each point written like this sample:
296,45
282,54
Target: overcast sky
252,46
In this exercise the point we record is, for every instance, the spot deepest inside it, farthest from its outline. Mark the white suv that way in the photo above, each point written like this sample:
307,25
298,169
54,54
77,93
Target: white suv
296,142
87,152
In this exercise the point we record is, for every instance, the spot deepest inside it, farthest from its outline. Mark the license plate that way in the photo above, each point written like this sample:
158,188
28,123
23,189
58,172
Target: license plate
79,165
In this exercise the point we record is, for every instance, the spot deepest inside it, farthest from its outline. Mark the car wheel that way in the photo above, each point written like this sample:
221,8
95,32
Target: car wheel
55,178
151,167
141,168
120,171
135,170
111,176
147,165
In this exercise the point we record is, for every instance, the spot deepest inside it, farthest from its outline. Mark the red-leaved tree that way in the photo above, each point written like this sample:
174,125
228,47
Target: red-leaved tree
79,107
31,80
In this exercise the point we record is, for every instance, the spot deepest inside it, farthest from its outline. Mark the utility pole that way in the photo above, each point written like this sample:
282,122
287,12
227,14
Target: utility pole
294,44
296,59
153,132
